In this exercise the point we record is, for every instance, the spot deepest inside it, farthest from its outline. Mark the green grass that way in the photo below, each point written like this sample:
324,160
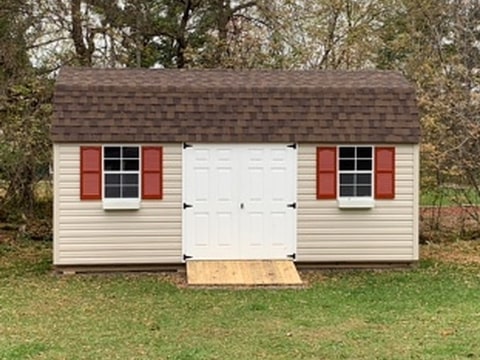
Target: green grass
449,196
432,312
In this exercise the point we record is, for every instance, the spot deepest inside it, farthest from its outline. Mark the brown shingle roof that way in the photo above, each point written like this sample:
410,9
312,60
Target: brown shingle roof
139,105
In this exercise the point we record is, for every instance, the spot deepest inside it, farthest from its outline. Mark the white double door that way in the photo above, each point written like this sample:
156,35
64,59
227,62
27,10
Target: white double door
239,201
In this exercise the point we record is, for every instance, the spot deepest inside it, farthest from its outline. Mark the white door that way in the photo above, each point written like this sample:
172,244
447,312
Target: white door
210,225
267,223
238,201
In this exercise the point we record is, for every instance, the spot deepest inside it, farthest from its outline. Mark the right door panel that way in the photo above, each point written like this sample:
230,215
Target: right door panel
267,224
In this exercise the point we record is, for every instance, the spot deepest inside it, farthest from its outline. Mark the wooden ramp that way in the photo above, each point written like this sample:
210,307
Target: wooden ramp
242,272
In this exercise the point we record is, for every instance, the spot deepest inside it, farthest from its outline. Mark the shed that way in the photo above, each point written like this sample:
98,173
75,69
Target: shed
161,166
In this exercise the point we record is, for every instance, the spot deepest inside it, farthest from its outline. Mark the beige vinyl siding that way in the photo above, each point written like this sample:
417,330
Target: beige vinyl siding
84,233
388,232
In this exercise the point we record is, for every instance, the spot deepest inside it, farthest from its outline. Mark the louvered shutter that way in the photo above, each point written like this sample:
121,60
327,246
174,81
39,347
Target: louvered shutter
384,172
90,172
152,172
326,172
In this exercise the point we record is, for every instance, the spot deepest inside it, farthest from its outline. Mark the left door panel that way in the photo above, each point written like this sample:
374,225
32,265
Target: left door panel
211,183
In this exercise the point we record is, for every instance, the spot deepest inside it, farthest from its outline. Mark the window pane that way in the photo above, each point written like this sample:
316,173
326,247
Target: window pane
130,165
130,179
112,191
346,190
130,192
347,152
347,165
364,190
130,152
112,179
111,152
364,152
364,179
364,164
111,165
346,179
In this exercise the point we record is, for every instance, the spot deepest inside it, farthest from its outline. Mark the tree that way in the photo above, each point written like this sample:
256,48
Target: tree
142,33
435,43
13,55
24,111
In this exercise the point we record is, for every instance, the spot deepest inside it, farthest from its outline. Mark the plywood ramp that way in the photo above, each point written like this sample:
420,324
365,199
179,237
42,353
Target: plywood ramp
240,272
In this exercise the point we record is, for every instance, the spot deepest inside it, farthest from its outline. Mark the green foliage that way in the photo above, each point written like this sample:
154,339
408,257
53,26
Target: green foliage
25,148
25,108
13,56
435,44
166,33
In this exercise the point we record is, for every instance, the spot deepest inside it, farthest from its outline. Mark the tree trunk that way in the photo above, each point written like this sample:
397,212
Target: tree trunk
84,55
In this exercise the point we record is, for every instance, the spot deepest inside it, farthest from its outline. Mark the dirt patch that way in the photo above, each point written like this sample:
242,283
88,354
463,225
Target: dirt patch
179,279
6,236
310,277
459,252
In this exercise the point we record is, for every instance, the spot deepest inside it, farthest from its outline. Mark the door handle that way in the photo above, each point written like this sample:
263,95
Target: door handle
241,206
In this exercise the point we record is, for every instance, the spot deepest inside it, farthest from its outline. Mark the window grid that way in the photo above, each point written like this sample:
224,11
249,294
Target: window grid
121,169
355,175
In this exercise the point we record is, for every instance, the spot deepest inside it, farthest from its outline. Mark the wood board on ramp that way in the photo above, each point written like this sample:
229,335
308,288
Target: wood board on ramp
242,273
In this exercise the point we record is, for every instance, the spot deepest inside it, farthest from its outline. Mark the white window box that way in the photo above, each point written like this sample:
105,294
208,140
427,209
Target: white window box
356,202
121,204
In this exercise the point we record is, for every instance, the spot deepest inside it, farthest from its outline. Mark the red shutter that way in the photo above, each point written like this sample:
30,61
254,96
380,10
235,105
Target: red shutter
152,172
90,172
384,172
326,172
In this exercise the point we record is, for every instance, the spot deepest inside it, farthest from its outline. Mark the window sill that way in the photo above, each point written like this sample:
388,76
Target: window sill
355,203
121,204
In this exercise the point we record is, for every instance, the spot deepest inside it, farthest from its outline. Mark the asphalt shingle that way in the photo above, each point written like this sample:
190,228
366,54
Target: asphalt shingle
140,105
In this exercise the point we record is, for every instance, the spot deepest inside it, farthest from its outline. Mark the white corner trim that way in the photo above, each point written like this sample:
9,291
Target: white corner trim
121,204
56,202
355,203
416,201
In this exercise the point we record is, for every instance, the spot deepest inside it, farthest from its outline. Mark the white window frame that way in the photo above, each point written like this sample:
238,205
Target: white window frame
122,203
356,201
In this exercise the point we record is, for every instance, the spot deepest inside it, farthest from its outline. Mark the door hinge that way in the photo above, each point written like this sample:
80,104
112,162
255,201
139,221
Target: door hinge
185,206
292,205
186,257
292,256
185,145
293,146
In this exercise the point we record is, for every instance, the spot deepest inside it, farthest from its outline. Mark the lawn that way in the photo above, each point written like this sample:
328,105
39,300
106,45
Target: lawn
432,312
449,196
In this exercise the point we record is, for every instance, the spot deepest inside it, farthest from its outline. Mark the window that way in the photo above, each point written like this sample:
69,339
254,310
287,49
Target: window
121,175
355,175
355,171
121,169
